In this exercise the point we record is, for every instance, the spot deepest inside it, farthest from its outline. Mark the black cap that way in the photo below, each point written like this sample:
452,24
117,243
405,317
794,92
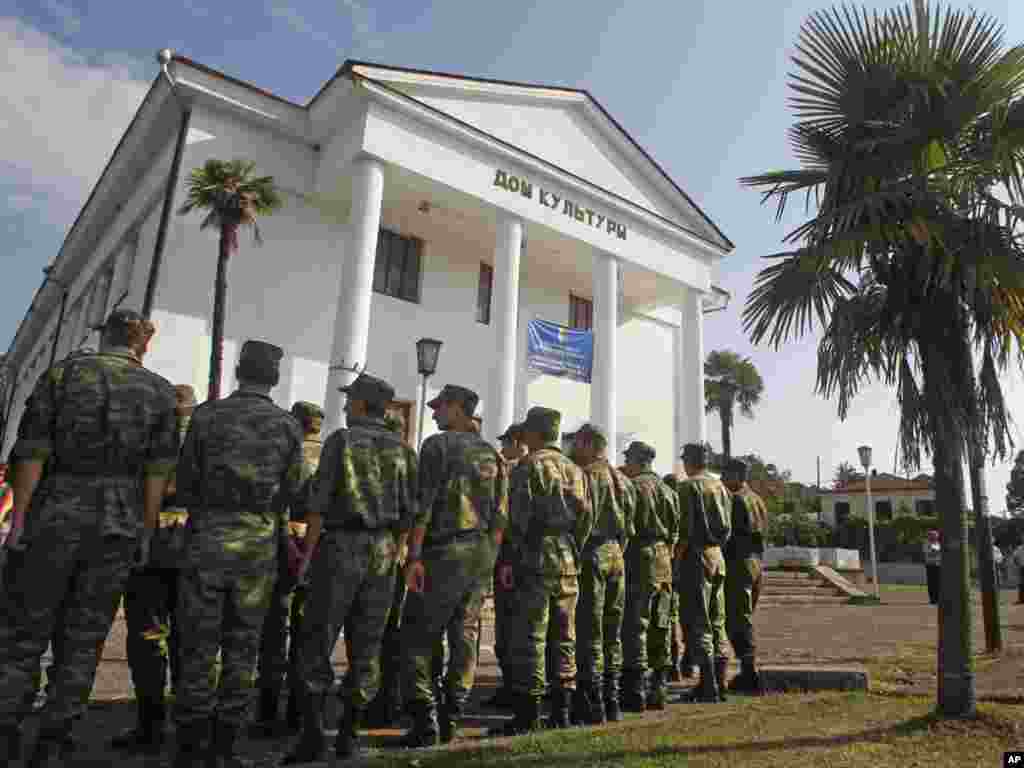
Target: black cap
260,353
512,434
304,409
640,451
128,324
737,469
546,422
369,388
696,454
453,393
593,433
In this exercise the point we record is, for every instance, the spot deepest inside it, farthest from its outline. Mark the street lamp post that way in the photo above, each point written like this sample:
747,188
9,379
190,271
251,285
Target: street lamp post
427,351
865,461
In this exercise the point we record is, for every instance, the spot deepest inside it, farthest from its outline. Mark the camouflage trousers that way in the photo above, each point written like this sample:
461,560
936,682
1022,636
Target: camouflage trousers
542,601
504,613
742,590
599,613
279,639
457,578
647,623
68,576
705,606
150,601
352,586
223,608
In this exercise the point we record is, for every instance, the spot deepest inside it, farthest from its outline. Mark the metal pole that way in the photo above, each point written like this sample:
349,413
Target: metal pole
165,215
60,325
423,410
871,531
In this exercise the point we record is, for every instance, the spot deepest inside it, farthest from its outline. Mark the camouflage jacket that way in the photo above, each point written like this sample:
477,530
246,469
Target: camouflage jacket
614,500
312,447
463,487
242,456
367,477
551,513
99,422
703,545
749,520
657,511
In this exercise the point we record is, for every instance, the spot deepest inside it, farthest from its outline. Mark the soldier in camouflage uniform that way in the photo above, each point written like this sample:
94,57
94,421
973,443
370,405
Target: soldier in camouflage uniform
241,455
463,511
646,626
550,518
706,505
602,581
95,447
743,572
365,502
512,451
683,665
282,625
149,610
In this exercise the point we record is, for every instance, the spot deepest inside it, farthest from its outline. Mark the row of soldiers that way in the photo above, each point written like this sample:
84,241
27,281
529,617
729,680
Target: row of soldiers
572,544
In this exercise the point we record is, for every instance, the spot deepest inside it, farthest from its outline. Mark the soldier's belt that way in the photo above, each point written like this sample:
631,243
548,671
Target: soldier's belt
297,529
647,542
171,517
599,541
451,538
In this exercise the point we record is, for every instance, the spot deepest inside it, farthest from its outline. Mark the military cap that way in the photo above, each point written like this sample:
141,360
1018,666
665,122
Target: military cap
129,322
640,451
593,433
697,454
260,353
369,388
544,421
302,409
737,468
453,393
512,434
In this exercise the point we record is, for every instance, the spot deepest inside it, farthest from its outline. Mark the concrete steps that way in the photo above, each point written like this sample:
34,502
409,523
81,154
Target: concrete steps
786,588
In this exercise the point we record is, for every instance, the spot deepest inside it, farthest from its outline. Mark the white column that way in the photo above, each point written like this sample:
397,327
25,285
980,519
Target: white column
500,406
352,322
691,367
678,400
606,324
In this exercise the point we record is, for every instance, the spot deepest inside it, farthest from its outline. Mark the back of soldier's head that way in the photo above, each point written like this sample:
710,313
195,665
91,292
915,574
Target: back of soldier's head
127,328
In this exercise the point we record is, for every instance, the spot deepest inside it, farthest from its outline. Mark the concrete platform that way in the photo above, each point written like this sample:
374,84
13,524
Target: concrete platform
796,679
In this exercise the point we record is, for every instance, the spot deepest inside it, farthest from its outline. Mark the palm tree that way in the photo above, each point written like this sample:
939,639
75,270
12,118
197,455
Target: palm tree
907,121
232,197
730,381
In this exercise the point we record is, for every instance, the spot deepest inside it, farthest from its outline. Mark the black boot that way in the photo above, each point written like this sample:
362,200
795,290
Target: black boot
596,704
526,720
502,699
10,744
191,741
581,705
52,747
225,746
293,716
448,717
634,690
657,696
424,731
266,724
721,675
706,690
561,701
612,710
748,680
383,711
147,737
347,743
312,746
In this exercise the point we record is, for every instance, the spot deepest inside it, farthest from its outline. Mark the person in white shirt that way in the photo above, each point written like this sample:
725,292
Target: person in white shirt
1018,561
997,558
932,562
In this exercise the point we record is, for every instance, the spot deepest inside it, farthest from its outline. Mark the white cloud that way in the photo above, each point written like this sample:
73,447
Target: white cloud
60,115
69,19
362,19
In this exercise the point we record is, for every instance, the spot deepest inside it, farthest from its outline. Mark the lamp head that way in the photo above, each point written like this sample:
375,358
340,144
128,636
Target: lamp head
865,456
427,352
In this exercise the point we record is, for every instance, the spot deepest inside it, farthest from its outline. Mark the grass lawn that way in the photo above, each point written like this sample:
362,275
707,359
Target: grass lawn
849,730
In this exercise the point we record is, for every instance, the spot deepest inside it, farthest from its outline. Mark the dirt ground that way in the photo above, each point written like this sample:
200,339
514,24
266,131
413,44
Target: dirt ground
895,640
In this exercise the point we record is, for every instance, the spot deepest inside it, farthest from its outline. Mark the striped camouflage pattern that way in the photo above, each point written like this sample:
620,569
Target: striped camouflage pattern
749,520
366,473
550,513
463,486
242,456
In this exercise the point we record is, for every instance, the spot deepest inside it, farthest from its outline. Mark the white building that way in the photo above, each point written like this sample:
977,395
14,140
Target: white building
891,495
418,204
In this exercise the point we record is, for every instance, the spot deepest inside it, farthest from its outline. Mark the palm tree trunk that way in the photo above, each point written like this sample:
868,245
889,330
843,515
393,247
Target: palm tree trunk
943,372
220,290
725,413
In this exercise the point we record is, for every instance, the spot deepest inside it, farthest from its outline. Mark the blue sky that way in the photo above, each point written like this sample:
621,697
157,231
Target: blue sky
701,85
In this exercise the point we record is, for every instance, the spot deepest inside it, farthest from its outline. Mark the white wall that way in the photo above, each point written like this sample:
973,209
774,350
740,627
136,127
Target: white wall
859,506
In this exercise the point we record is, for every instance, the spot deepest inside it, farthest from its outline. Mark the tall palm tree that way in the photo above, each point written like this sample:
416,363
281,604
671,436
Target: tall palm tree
232,197
907,123
730,381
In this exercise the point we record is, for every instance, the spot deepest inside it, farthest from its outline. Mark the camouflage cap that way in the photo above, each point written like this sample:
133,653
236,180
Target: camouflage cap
640,451
304,409
513,434
697,454
453,393
737,468
369,388
546,422
593,433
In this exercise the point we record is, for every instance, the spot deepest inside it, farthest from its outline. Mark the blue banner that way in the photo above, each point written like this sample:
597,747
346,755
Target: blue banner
559,351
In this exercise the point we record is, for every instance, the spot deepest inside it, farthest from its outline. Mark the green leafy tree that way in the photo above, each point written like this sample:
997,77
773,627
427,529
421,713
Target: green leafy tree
845,474
232,197
907,121
730,382
1015,488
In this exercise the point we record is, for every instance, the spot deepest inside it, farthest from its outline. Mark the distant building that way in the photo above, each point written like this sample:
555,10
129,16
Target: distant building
889,493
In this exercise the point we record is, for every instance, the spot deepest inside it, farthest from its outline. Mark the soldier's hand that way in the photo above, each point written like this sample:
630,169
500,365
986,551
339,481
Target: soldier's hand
415,576
505,577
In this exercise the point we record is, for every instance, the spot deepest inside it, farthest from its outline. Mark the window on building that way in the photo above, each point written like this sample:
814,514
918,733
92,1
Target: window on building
396,270
883,510
483,294
842,512
581,313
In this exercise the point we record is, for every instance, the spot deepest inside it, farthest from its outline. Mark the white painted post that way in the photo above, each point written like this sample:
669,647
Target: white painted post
500,406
